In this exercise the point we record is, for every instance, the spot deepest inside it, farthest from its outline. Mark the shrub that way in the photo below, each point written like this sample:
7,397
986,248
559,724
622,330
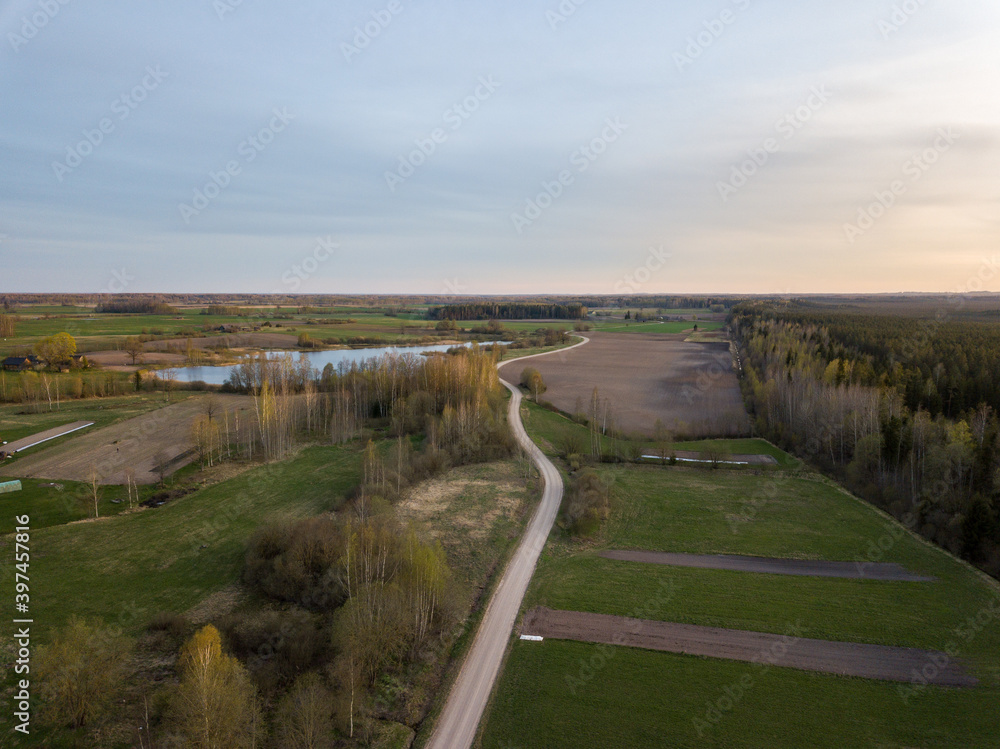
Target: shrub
587,503
297,563
175,625
276,645
81,672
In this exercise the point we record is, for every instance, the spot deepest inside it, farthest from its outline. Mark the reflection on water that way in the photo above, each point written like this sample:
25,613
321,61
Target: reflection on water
317,359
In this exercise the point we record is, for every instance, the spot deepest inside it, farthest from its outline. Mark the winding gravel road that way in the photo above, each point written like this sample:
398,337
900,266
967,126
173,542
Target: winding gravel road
456,727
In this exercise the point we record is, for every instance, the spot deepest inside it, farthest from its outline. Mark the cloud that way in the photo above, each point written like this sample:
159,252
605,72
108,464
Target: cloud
355,119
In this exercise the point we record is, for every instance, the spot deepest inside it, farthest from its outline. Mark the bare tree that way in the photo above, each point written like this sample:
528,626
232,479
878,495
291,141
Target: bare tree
134,348
131,487
167,376
94,490
304,718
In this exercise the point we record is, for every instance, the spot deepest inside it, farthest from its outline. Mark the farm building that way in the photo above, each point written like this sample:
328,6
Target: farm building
20,363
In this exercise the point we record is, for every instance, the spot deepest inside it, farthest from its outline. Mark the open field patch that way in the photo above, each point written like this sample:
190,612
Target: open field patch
140,444
690,387
654,326
470,510
573,695
226,340
721,458
674,699
124,569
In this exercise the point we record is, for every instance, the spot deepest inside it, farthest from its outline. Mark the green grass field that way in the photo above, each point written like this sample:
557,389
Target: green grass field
126,568
619,326
642,698
753,446
550,431
103,331
649,311
51,503
188,554
637,698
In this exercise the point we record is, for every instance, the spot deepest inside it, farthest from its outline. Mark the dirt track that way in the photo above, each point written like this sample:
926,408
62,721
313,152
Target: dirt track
842,658
49,434
690,387
887,571
463,709
135,443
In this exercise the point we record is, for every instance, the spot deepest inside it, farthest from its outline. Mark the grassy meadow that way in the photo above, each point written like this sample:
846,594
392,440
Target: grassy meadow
571,694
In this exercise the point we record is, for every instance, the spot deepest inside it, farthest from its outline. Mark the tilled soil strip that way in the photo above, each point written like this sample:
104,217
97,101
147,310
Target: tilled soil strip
842,658
887,571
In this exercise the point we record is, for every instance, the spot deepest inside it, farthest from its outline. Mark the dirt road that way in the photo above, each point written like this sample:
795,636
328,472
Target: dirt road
889,571
49,434
842,658
456,727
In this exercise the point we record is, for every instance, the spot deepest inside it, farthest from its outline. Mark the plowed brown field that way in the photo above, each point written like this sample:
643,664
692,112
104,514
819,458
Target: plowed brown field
691,387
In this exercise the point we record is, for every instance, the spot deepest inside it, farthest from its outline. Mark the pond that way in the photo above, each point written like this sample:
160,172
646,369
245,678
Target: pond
317,359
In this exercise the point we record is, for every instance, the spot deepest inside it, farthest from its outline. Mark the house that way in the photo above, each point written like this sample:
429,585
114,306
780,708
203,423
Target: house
20,363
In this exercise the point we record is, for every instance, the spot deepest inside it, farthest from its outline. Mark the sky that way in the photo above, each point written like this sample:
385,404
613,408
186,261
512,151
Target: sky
582,146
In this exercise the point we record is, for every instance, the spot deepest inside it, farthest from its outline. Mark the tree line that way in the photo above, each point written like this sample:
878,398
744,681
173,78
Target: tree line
508,311
135,305
936,360
831,394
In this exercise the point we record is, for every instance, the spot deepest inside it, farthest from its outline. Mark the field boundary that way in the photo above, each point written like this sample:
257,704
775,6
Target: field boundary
881,662
880,571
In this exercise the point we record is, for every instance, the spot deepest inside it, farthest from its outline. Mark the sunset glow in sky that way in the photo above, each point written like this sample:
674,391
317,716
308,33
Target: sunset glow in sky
429,147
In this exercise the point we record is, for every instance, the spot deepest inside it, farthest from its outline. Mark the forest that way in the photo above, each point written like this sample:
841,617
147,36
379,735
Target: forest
900,405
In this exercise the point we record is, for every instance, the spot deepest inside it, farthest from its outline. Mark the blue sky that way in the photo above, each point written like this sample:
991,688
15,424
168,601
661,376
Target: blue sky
598,147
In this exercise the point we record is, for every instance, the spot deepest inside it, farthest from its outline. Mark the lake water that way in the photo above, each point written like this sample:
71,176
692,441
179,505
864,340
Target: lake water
317,359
